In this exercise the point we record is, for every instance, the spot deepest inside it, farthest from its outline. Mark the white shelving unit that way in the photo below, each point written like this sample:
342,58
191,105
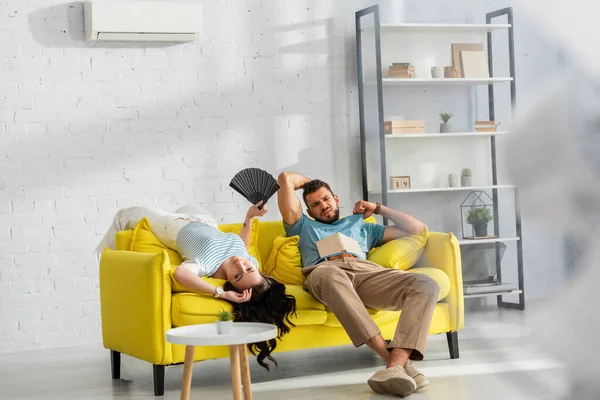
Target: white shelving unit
445,189
421,42
472,296
442,81
492,240
443,135
443,28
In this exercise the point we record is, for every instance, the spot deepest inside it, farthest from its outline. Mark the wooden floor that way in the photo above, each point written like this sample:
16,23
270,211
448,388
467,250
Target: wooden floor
497,361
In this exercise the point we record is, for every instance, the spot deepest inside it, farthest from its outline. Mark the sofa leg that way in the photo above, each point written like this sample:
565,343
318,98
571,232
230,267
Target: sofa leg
115,364
453,344
159,380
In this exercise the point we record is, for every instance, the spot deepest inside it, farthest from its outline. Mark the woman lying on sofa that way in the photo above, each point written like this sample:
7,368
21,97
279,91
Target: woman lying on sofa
208,252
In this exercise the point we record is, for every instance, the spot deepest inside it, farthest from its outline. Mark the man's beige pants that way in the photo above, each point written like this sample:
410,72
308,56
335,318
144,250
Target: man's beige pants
348,285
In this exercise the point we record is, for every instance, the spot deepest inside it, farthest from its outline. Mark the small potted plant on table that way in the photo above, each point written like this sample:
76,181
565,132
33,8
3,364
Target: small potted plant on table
224,322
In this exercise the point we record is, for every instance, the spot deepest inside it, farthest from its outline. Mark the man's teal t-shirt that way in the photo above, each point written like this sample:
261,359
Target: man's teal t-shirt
367,235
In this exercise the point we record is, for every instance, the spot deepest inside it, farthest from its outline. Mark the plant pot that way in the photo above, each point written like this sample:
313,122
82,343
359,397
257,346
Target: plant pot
444,128
224,327
465,181
480,229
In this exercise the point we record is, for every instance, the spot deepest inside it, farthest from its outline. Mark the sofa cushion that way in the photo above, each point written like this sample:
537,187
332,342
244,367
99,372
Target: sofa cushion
400,253
189,308
284,263
304,300
439,276
144,241
267,232
123,240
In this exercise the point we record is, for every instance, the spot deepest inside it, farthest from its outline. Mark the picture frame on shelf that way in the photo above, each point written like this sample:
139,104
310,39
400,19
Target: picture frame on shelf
457,48
474,64
400,182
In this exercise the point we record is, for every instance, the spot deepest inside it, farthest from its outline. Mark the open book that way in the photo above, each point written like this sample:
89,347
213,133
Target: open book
338,243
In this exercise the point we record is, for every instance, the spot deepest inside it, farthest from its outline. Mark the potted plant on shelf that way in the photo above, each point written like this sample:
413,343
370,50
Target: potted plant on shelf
224,322
444,126
479,217
465,177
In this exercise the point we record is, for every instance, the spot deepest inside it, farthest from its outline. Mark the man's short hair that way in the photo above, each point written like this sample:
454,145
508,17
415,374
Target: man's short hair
313,186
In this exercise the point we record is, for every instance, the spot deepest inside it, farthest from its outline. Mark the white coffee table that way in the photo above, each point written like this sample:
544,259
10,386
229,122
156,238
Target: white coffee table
207,335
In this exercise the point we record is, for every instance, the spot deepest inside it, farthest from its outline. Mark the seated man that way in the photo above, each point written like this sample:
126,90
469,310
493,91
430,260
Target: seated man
348,283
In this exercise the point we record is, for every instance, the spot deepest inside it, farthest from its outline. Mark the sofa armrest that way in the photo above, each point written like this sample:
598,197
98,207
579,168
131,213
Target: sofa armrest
442,251
135,302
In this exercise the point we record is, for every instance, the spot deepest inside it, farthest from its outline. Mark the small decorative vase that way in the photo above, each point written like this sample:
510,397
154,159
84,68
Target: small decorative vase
444,128
480,229
224,327
452,182
465,181
435,72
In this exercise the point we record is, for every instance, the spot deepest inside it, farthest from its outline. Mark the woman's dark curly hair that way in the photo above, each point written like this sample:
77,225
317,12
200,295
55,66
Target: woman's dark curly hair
271,305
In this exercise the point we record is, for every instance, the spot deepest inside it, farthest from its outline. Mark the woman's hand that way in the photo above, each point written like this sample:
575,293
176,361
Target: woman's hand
236,297
253,211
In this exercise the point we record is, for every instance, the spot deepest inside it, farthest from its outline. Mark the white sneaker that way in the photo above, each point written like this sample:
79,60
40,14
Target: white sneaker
417,375
393,381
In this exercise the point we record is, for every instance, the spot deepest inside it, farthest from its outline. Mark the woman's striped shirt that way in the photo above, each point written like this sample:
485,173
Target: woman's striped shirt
208,247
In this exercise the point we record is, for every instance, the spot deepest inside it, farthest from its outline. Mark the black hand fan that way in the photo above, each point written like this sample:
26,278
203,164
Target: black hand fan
255,185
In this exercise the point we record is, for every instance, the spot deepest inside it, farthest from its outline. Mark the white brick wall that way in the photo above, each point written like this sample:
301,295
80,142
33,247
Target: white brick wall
88,128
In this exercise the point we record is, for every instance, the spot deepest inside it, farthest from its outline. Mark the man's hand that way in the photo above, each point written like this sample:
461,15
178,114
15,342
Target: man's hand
254,211
364,207
236,297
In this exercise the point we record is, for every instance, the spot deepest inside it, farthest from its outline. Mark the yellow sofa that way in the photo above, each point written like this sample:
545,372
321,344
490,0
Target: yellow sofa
140,302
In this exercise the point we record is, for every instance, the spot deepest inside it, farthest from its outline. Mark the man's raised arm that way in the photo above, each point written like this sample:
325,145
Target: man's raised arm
405,225
289,204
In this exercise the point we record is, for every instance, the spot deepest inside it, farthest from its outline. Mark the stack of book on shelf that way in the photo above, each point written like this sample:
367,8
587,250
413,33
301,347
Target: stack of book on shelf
485,126
401,70
404,126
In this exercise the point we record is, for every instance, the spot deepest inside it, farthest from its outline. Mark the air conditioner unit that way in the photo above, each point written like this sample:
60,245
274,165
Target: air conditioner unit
131,20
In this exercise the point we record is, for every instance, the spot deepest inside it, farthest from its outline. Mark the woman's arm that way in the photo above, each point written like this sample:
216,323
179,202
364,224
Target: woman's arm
192,281
245,232
247,228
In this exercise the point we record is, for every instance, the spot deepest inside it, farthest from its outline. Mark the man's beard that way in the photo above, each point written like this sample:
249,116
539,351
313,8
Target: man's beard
330,220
